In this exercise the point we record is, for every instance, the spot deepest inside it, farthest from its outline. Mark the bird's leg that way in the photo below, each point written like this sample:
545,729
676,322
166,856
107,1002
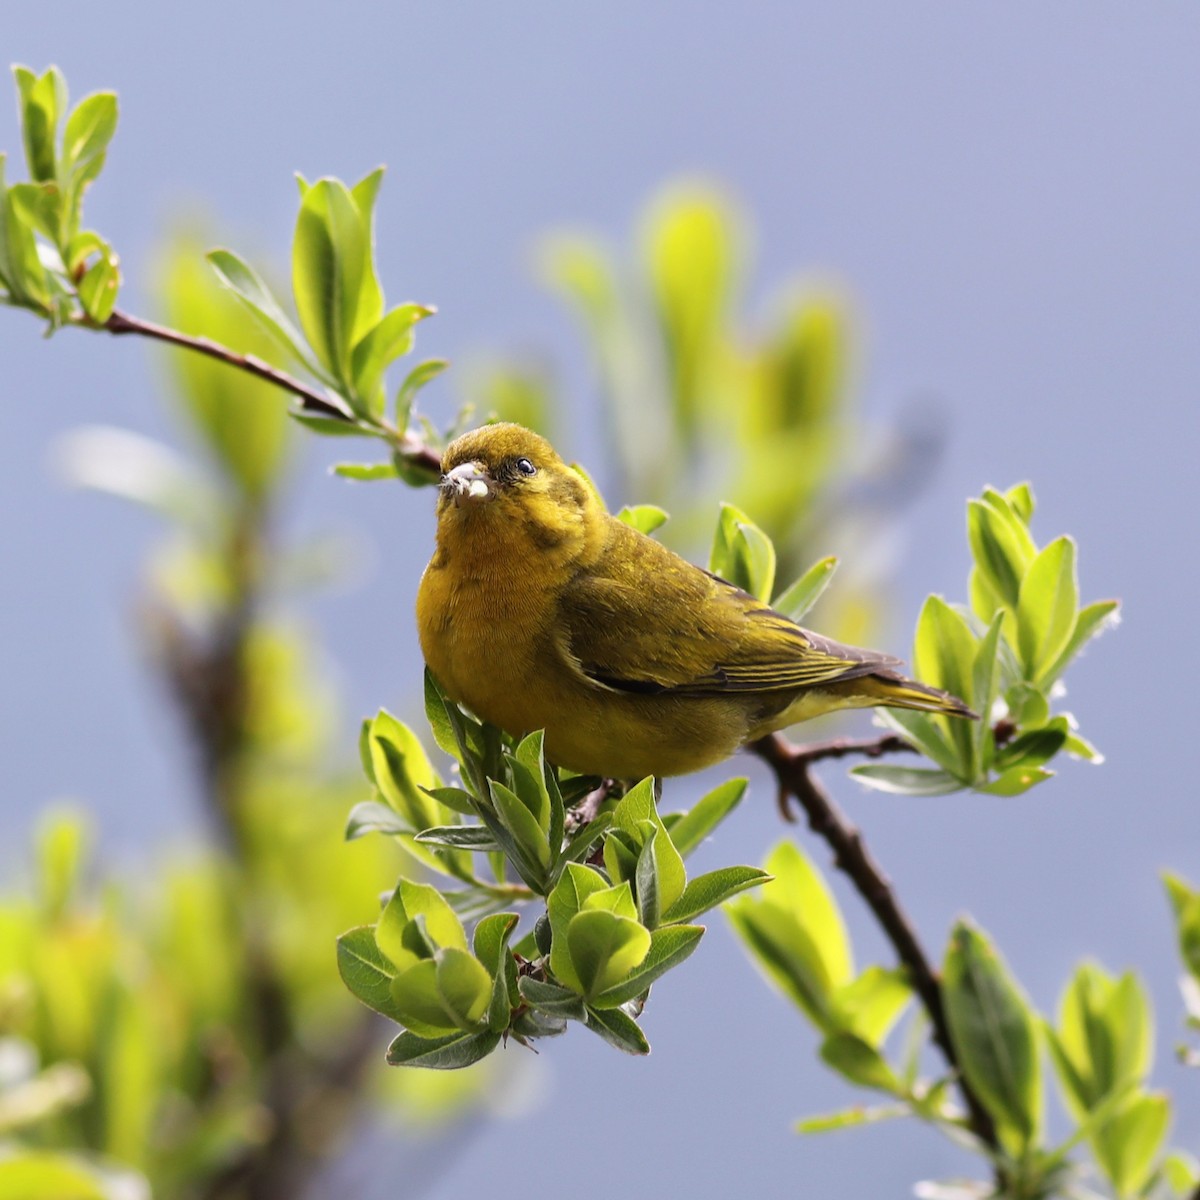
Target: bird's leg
587,809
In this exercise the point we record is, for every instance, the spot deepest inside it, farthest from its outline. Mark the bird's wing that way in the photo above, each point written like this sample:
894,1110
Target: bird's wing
644,620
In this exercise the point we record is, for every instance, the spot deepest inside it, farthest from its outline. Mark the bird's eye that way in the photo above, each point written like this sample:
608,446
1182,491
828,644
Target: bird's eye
526,467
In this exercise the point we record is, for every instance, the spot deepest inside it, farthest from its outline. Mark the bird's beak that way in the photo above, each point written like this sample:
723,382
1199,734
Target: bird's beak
468,483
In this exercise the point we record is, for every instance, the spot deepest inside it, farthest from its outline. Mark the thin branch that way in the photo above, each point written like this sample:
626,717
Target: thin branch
803,757
409,446
791,765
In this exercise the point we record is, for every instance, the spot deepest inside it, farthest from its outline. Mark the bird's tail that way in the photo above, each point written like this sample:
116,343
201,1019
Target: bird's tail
895,691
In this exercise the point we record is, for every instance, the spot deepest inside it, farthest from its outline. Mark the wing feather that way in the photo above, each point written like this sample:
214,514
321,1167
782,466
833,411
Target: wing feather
643,620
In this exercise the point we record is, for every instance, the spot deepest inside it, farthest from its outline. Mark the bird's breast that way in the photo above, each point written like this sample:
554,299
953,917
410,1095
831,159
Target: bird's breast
483,636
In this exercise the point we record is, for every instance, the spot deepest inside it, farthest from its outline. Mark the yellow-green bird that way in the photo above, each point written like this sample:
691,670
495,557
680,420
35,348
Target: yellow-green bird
540,610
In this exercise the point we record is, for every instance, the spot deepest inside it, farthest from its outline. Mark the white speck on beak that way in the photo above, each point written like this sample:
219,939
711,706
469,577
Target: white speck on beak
467,483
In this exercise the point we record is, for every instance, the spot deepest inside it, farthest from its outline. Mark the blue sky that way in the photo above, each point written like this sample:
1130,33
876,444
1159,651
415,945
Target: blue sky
1009,192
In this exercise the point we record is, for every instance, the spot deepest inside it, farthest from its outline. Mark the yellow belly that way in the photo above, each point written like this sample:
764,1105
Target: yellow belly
491,650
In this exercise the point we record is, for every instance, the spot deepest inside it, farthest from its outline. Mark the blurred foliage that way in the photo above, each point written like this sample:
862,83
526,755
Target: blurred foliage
1185,906
704,399
196,1013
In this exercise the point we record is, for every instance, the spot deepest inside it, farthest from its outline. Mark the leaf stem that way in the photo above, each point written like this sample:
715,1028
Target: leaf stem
791,766
407,445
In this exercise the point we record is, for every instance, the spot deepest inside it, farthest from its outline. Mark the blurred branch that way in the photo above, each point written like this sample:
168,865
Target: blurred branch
408,445
208,672
791,766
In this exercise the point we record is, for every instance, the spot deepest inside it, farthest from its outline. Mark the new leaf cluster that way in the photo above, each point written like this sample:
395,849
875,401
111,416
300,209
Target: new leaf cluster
616,903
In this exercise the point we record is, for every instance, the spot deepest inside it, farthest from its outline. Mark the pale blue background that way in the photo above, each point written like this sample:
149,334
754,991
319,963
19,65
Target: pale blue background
1011,192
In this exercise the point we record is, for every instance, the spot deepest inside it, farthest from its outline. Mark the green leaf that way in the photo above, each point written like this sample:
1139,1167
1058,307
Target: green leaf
247,285
709,890
690,254
1128,1145
331,426
439,721
369,816
919,729
89,129
380,347
906,781
366,970
605,948
477,838
944,654
870,1005
1049,596
635,807
669,946
1181,1172
330,265
1036,747
490,944
852,1117
706,814
444,1054
419,1002
522,825
366,472
39,205
1104,1038
858,1061
645,518
1092,620
370,299
994,1035
414,381
396,935
742,554
985,687
798,599
1020,497
575,885
1001,546
40,1175
464,986
62,852
1016,781
1185,903
43,99
530,778
618,1029
550,998
20,265
402,769
796,936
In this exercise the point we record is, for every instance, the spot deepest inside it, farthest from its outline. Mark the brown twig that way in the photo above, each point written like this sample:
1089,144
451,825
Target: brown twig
791,765
805,756
407,445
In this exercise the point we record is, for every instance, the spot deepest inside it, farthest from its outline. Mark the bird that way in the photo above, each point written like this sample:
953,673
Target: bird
540,610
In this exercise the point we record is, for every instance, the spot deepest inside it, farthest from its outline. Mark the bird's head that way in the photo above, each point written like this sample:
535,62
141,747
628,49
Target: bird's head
505,475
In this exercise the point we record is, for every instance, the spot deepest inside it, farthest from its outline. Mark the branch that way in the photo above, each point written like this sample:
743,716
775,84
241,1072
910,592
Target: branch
408,445
803,757
791,765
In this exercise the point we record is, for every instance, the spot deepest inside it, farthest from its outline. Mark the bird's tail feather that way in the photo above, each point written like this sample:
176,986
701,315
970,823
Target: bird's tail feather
895,691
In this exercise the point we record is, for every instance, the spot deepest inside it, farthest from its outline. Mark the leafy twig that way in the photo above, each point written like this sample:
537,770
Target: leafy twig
791,765
406,444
